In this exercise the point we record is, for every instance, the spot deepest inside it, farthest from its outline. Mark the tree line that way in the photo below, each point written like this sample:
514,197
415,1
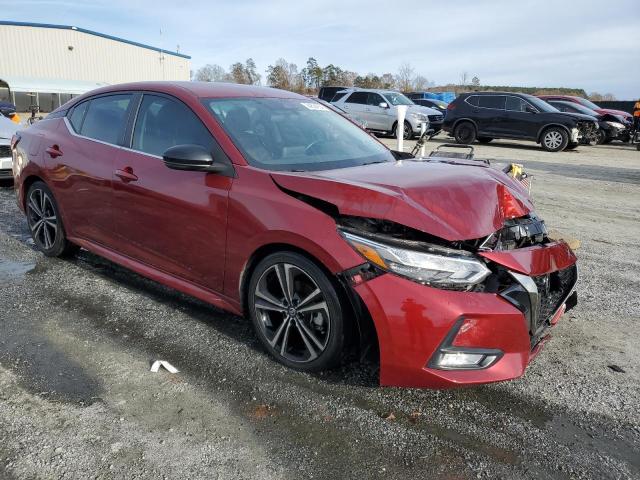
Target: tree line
287,76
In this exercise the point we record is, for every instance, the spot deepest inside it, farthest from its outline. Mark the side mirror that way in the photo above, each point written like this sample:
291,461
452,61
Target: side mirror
191,157
383,105
530,109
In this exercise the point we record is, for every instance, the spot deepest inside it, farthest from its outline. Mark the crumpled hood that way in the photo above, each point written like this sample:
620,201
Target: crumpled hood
450,201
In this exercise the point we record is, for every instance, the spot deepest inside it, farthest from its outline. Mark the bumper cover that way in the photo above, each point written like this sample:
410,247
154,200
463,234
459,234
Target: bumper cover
413,320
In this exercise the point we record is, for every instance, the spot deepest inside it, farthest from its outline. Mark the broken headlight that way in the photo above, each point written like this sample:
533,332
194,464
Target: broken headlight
436,266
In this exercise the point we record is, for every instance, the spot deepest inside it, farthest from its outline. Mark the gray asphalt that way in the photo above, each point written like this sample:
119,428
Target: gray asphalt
77,337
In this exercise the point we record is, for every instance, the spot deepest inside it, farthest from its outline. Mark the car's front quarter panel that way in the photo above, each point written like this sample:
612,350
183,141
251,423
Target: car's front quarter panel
261,214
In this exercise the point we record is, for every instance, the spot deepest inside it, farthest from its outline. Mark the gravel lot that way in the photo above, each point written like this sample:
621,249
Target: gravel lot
77,399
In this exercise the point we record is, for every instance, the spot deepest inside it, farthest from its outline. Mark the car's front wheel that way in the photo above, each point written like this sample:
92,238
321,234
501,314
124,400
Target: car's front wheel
296,312
407,133
45,223
465,133
554,139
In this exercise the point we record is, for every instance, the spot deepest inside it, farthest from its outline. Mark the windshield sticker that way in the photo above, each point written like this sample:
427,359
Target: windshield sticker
315,106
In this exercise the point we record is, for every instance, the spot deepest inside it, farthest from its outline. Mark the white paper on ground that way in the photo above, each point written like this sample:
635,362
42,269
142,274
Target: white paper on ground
162,363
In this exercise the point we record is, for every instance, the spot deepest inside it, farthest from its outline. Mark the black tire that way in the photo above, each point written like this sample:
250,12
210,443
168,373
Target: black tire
45,222
465,133
572,146
408,131
554,139
303,334
484,139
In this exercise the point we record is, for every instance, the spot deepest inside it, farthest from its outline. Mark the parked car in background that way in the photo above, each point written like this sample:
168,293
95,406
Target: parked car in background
7,131
589,104
327,93
267,204
484,116
8,110
611,127
355,119
431,103
380,110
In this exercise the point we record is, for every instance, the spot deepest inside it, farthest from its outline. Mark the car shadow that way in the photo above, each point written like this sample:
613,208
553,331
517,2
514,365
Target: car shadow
352,371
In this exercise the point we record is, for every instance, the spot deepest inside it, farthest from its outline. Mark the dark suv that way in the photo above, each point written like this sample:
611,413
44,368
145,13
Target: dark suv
484,116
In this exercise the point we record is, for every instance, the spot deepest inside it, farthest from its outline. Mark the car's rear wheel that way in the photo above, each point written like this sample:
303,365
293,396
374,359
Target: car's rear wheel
554,139
484,139
465,133
296,312
45,223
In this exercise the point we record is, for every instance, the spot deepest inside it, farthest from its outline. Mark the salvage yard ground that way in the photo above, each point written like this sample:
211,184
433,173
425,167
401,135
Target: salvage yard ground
77,399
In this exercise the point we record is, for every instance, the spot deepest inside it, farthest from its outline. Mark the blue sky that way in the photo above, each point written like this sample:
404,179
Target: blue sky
588,44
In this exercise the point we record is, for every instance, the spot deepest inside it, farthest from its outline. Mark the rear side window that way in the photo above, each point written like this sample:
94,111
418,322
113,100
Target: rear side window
492,101
163,123
77,116
358,97
106,118
473,100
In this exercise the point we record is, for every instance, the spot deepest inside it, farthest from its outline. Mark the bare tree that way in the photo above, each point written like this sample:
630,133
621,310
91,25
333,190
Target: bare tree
420,83
475,81
464,78
211,73
404,78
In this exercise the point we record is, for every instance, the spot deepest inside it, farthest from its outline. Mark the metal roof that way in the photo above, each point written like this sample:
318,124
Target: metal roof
91,32
49,85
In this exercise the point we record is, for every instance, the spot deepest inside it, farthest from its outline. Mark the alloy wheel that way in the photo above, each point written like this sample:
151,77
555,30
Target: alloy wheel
42,219
292,313
553,139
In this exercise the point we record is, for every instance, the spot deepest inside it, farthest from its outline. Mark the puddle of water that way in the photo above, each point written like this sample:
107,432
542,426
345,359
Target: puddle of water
10,271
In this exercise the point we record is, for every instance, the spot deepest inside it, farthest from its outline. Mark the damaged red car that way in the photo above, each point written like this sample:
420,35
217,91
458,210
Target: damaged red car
270,205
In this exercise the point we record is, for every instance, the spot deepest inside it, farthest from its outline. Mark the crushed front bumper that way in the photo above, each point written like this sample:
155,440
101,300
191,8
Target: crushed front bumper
414,321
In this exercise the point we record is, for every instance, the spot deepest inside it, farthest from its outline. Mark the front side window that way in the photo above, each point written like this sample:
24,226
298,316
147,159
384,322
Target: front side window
295,134
496,102
515,104
374,99
358,97
163,123
106,118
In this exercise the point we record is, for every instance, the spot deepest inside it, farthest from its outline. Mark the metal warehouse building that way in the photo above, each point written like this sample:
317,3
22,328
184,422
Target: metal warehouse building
47,64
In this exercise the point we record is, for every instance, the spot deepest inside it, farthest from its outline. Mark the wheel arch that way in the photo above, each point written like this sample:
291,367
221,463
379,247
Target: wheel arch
360,333
26,184
464,119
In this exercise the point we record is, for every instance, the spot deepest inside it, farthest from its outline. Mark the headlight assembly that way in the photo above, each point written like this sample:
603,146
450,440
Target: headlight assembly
438,267
419,116
617,125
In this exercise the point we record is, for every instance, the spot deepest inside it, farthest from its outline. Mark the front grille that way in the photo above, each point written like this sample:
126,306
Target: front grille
436,118
5,151
553,289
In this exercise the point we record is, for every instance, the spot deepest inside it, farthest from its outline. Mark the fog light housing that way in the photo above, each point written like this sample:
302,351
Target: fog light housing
450,357
464,360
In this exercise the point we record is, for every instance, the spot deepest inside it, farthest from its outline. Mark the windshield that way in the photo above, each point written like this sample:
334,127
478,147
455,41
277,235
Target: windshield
541,104
397,99
587,103
295,134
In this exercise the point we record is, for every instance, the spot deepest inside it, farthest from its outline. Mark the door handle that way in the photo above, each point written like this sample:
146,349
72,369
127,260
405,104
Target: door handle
54,151
126,175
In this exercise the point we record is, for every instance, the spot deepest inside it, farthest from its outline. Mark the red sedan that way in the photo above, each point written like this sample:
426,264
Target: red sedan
270,205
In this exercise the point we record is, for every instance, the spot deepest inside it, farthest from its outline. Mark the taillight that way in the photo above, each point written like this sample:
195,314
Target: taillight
451,106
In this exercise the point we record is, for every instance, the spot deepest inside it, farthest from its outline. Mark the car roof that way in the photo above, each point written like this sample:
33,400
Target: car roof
200,89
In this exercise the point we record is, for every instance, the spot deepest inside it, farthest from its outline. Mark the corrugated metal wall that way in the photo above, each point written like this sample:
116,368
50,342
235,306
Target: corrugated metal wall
44,53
